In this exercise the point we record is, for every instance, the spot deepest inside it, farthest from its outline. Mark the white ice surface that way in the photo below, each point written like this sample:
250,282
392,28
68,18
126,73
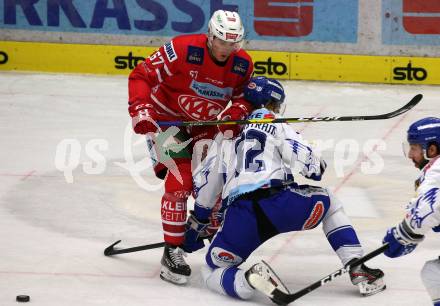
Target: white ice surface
53,233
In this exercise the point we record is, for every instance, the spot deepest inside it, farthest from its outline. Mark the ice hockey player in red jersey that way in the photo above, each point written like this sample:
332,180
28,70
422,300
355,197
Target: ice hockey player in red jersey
190,78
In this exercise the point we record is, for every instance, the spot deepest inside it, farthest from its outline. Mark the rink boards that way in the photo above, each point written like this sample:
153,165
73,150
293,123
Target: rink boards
102,59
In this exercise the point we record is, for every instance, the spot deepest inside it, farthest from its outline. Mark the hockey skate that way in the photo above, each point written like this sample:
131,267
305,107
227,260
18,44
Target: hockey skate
262,278
370,281
174,268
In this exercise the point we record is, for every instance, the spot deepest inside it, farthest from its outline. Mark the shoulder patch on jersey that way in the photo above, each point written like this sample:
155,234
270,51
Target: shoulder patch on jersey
195,55
171,53
240,66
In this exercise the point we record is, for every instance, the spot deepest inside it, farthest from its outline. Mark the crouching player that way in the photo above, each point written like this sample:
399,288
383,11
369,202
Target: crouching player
424,210
254,175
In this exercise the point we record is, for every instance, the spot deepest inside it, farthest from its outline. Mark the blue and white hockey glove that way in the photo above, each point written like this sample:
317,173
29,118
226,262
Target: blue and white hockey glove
401,240
194,233
322,167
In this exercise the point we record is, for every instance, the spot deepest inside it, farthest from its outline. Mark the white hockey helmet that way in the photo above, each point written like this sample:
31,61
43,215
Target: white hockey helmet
226,26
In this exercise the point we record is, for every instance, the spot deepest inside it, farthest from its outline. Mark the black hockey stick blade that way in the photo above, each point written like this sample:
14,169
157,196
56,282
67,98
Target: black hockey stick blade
110,250
282,298
414,101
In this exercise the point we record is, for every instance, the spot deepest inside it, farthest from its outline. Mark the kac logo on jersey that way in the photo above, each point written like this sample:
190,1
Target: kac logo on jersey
169,50
224,258
195,55
240,66
211,91
315,216
199,108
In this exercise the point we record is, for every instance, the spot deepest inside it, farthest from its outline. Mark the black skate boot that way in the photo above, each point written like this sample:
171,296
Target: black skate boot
370,281
174,268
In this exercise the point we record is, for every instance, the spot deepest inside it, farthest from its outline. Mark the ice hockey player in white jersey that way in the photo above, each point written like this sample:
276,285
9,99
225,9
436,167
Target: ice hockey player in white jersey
423,213
254,173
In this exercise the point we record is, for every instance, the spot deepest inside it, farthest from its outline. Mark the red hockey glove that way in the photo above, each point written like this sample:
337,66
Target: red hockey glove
144,120
235,112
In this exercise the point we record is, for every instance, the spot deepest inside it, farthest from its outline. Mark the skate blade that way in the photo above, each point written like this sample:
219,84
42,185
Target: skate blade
280,285
177,279
267,286
367,289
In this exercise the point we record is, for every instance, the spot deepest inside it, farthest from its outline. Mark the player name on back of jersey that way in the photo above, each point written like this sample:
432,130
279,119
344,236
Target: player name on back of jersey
265,127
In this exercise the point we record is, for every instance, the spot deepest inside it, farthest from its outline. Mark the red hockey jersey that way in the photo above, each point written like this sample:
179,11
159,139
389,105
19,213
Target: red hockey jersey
183,82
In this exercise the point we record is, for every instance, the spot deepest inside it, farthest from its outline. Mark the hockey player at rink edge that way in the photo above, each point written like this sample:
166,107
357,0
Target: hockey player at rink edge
423,211
190,78
254,173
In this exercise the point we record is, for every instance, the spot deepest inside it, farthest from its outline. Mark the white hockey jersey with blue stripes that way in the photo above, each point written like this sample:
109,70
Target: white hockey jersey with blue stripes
424,210
264,155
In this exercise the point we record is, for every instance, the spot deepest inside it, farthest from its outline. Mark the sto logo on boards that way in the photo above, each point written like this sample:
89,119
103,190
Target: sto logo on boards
269,67
3,57
410,73
129,61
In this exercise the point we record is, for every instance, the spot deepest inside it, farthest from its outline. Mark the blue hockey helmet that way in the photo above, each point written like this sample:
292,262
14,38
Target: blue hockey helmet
261,90
424,132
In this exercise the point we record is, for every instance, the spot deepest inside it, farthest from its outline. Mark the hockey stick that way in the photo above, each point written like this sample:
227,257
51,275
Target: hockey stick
110,250
282,298
416,99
